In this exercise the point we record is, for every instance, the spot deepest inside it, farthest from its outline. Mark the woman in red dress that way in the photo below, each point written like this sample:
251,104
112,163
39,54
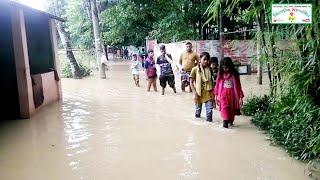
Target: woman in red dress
228,91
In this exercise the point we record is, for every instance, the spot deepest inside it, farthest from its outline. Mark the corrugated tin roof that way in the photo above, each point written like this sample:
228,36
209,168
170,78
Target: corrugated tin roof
19,5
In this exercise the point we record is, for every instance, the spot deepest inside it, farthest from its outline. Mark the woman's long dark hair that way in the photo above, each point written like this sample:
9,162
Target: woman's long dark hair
227,61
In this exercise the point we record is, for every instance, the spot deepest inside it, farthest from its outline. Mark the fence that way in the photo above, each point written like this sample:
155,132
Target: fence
83,56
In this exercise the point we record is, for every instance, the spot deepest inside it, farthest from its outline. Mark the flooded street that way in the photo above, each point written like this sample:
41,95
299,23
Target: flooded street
110,129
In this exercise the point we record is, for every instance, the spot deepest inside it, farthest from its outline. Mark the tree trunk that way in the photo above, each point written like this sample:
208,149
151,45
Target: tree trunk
98,44
263,45
65,39
99,10
204,32
106,51
88,10
260,19
200,28
271,49
89,14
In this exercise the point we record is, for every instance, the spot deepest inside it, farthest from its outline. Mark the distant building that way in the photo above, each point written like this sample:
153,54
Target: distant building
29,73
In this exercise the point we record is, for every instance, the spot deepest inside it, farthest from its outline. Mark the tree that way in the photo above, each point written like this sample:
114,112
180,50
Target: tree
57,9
125,23
131,21
97,37
79,23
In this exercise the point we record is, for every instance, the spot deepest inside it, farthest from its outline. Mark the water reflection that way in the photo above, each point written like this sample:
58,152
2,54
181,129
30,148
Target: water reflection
187,152
76,129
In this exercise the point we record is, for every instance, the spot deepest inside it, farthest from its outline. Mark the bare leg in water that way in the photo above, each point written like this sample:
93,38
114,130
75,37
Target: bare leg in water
135,80
174,89
150,81
154,84
183,87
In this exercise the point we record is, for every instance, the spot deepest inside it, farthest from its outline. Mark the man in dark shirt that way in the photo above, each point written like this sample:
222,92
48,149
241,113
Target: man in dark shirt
143,56
126,54
166,73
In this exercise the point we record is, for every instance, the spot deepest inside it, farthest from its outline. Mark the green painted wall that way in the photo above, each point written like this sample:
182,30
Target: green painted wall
39,42
8,79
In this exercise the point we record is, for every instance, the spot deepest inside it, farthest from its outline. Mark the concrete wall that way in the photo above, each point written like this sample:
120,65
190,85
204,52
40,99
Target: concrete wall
239,50
51,91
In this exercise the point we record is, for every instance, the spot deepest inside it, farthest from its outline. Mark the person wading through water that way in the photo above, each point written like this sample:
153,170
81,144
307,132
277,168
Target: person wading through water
164,62
228,91
151,71
143,56
188,60
201,84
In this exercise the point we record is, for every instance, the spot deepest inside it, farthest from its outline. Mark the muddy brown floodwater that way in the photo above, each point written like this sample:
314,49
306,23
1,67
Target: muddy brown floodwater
109,129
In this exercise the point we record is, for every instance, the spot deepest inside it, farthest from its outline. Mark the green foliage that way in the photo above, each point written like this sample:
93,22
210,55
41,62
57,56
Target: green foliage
172,26
79,24
125,23
130,22
256,104
291,117
66,71
297,128
234,16
263,119
291,122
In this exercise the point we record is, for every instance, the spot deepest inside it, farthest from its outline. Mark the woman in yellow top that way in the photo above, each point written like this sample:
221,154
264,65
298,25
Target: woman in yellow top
201,84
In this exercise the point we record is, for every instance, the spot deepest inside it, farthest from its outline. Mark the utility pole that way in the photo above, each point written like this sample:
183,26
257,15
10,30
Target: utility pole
97,39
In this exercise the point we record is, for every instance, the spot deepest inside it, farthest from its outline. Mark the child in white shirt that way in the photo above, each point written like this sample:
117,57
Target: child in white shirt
135,69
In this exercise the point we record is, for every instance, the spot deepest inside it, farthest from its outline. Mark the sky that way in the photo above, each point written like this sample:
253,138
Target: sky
37,4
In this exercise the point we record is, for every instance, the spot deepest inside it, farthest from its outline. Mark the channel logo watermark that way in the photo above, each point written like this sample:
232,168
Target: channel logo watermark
291,13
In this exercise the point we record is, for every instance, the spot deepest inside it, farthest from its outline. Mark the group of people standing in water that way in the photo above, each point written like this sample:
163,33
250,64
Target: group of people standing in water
212,83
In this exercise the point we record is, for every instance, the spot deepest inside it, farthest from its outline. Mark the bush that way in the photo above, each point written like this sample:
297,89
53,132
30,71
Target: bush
256,104
292,121
84,70
263,120
67,73
292,133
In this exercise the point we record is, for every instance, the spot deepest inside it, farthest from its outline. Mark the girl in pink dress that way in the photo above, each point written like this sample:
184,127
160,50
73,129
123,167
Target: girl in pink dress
228,91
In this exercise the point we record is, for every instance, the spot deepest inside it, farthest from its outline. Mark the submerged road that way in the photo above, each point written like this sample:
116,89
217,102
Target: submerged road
111,130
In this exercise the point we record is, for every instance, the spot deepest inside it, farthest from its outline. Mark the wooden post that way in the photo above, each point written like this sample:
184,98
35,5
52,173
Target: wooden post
19,38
